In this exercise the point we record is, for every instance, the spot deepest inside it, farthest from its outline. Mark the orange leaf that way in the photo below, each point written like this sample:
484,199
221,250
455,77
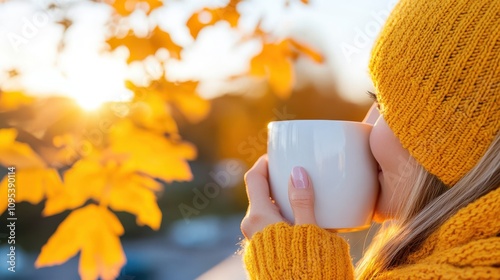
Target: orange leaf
275,62
13,100
142,47
86,179
33,179
126,7
131,193
108,183
180,94
150,111
192,106
95,232
183,95
13,153
228,13
32,185
151,153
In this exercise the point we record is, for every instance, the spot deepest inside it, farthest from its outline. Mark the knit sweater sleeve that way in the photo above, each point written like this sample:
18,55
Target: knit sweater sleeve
282,251
479,259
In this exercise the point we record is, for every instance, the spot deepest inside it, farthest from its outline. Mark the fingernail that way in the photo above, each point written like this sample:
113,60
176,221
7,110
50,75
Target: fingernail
299,178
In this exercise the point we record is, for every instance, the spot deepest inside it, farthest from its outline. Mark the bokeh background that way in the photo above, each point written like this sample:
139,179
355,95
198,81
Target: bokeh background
57,49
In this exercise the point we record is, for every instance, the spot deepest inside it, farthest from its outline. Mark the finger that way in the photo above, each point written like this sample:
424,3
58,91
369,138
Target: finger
257,185
301,195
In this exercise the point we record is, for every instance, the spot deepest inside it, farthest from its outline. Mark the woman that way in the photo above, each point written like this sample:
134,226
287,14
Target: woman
436,69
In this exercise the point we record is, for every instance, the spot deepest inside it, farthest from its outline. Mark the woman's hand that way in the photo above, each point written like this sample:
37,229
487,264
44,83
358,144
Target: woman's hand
263,212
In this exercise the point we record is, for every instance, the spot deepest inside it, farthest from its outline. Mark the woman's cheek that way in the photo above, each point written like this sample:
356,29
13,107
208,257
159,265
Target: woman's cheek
374,142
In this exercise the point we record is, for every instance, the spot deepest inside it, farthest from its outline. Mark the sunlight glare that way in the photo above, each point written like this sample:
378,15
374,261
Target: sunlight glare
90,102
92,86
92,96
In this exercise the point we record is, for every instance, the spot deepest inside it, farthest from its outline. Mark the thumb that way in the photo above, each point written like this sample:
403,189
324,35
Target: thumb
301,196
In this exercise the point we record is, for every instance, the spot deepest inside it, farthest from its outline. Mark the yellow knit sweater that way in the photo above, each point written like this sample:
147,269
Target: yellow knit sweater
467,246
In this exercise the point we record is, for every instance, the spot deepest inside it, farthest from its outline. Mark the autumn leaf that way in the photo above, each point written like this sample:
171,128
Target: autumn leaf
126,7
142,47
152,113
183,95
275,62
12,100
149,110
13,153
34,180
192,106
31,185
68,148
228,13
133,193
85,180
108,183
152,153
94,231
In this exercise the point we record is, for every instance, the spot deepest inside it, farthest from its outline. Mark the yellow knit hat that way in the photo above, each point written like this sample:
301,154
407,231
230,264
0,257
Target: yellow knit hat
436,68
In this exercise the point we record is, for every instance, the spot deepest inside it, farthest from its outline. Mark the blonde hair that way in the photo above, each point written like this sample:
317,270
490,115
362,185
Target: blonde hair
429,204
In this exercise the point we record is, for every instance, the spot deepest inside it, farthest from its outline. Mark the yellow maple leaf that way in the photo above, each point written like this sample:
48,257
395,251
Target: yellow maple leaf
275,62
33,180
207,17
126,7
68,148
85,180
149,110
183,95
31,185
192,106
12,100
142,47
133,193
95,232
13,153
152,153
108,183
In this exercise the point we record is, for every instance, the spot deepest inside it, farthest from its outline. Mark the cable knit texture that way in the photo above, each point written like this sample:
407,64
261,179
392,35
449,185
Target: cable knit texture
436,69
467,246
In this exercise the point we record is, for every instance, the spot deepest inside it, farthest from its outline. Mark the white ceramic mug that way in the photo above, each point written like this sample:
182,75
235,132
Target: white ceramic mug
338,159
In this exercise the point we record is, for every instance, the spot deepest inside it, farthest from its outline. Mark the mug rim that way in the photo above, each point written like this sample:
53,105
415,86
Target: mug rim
321,120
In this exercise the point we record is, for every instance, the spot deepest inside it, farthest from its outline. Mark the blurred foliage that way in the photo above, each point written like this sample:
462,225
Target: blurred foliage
114,159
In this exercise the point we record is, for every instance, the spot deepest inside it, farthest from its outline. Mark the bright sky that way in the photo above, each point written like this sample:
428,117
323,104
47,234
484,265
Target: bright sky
343,31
